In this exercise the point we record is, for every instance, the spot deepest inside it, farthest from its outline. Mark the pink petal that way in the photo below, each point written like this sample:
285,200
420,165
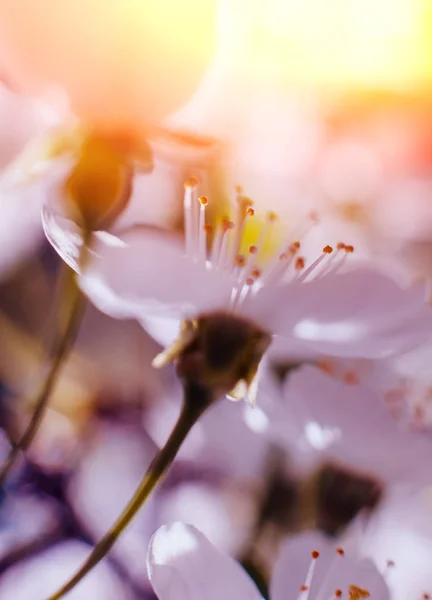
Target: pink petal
359,313
332,571
330,420
145,274
184,565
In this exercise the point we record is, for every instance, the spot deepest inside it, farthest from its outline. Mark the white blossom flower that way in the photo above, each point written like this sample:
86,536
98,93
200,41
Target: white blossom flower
184,565
320,306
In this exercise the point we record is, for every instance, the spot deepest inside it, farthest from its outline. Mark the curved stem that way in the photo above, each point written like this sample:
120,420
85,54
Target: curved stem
196,400
62,347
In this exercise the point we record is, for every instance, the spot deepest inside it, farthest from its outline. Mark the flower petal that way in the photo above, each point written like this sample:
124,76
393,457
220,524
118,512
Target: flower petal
146,275
184,565
326,419
332,571
359,313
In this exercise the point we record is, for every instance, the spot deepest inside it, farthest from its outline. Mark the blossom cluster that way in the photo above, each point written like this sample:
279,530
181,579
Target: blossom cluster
299,335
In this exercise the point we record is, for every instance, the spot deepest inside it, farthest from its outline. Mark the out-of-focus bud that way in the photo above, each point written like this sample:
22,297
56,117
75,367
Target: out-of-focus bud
99,185
124,64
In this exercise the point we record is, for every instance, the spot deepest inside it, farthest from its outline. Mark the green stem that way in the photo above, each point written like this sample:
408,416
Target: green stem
63,345
196,400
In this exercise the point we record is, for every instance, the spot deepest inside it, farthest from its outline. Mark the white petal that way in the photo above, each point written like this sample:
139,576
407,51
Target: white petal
184,565
149,276
327,419
360,313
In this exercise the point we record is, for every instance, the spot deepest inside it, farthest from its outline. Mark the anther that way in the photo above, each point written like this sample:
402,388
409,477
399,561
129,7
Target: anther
253,249
349,249
304,588
256,273
340,551
300,263
326,366
240,260
272,217
338,593
227,224
315,554
390,564
250,212
191,182
327,249
340,246
203,200
350,378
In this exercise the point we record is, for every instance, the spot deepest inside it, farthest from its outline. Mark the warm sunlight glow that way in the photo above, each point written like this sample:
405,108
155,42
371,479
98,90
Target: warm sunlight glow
335,44
121,61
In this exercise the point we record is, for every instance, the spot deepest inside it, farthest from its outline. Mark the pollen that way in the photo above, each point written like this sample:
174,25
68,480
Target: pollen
203,200
350,378
327,366
227,224
315,554
191,182
300,263
327,249
356,593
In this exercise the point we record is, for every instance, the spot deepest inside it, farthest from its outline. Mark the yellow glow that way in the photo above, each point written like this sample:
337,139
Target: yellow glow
335,44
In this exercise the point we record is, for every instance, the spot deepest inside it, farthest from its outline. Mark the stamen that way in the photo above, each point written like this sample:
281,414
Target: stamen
244,211
271,219
227,226
304,590
274,274
189,220
325,252
217,243
356,593
286,248
339,257
202,237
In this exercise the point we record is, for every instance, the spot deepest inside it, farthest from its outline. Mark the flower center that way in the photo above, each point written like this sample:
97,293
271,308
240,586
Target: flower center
354,592
223,247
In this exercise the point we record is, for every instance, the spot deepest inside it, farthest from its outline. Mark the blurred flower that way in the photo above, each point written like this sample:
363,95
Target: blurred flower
324,420
183,563
398,538
22,117
123,66
40,576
